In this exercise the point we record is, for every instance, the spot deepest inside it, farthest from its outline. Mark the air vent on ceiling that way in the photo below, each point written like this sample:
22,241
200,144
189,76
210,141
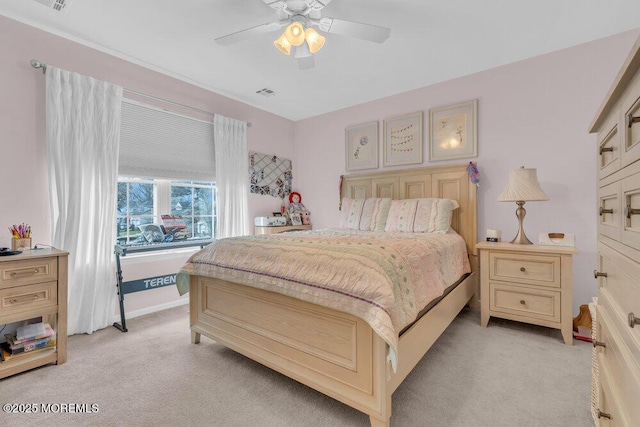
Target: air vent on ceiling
265,92
57,5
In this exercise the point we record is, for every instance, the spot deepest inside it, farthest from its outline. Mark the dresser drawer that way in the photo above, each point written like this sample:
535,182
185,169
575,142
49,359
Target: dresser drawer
611,412
616,364
610,210
631,109
28,297
529,302
609,145
631,216
28,271
527,269
620,288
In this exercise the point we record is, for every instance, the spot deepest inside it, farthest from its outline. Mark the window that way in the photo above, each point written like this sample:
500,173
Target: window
178,152
143,201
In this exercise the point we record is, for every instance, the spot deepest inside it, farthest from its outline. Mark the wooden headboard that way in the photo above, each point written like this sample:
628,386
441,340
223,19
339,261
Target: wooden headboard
449,182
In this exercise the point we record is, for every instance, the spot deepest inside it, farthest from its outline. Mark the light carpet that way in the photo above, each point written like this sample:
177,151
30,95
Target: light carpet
508,374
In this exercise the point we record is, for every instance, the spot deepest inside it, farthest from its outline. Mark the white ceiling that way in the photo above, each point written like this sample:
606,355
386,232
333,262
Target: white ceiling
430,42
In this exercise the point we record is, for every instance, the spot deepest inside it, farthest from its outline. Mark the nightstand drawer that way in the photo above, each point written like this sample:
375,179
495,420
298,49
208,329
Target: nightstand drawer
24,272
526,269
29,297
522,301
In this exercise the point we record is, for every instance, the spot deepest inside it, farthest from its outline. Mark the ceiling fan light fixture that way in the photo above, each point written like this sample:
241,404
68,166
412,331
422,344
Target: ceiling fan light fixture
314,39
283,45
295,33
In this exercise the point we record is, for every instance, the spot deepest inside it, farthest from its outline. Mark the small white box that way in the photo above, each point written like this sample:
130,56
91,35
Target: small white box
557,239
269,221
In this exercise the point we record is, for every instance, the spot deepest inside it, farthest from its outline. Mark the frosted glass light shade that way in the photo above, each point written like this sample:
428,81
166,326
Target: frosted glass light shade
522,185
283,45
314,40
295,33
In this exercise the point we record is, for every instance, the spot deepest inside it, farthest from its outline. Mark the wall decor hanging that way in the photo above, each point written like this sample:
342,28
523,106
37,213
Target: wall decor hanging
361,146
453,130
403,140
269,175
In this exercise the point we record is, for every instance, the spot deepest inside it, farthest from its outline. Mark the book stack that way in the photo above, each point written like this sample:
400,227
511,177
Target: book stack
27,339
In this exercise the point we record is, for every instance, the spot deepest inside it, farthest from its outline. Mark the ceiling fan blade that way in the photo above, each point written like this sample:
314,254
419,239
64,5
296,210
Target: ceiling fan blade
306,63
355,29
249,33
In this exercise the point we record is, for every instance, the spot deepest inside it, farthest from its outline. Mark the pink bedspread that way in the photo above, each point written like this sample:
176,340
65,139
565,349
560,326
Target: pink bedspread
383,278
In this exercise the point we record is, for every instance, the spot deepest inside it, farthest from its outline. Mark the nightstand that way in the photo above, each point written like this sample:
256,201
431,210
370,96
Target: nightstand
279,229
527,283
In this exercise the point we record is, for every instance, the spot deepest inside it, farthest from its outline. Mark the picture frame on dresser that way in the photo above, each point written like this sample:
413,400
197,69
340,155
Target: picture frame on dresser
453,131
296,219
403,140
361,146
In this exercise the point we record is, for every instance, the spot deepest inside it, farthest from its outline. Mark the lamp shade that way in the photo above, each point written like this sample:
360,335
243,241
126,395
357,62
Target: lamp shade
295,33
314,40
523,185
283,45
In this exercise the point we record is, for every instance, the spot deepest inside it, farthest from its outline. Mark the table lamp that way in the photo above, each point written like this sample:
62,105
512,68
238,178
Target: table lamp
523,186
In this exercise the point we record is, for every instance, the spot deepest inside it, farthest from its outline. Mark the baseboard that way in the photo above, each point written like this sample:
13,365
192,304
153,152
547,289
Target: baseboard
152,309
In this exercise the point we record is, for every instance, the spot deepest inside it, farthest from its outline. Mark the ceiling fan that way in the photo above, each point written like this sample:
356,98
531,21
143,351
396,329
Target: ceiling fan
297,15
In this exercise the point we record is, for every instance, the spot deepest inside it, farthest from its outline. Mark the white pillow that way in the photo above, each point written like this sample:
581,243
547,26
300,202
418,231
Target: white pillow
427,215
374,214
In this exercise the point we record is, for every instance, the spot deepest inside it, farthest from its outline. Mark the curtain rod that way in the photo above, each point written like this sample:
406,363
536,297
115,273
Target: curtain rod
37,64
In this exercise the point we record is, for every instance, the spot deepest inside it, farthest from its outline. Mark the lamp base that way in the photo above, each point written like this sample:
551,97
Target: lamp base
521,238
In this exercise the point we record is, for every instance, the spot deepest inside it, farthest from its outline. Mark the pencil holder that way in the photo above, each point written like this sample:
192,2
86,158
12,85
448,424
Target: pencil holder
20,244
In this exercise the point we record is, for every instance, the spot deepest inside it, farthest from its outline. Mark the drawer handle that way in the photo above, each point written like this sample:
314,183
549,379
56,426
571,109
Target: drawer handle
633,320
597,274
25,272
631,120
598,344
605,149
632,211
605,211
523,302
603,414
523,269
17,300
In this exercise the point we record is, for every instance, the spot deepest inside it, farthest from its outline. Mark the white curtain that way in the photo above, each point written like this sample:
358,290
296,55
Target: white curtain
232,176
83,136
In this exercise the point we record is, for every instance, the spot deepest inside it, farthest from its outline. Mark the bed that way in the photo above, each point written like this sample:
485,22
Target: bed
357,362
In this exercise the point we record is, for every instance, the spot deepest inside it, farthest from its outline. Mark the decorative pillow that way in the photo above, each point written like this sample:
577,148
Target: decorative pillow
351,213
434,215
402,213
374,214
420,215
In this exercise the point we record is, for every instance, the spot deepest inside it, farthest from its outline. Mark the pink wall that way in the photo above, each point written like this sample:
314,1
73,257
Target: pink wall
532,113
24,195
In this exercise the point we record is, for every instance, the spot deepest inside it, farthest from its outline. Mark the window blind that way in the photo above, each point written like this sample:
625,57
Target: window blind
159,144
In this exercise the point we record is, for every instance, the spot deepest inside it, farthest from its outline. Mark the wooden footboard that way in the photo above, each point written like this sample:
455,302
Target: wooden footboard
333,352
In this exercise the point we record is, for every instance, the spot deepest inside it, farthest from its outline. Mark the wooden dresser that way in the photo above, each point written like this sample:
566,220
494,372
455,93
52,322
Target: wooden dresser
33,284
618,271
527,283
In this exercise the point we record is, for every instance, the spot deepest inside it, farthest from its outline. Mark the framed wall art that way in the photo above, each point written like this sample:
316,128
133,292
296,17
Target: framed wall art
453,130
361,145
403,140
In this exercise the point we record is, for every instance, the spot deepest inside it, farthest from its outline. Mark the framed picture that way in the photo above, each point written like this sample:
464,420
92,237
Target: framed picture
403,140
361,145
296,219
453,130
